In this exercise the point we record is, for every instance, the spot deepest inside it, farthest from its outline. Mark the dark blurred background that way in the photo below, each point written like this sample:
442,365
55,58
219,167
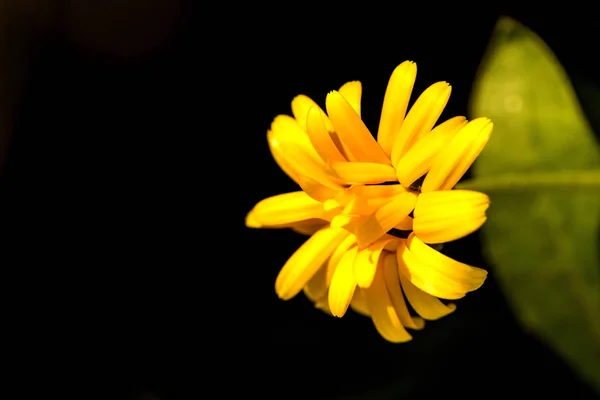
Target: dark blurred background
133,143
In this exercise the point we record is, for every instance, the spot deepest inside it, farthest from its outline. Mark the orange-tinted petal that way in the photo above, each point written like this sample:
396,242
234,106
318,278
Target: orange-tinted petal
352,131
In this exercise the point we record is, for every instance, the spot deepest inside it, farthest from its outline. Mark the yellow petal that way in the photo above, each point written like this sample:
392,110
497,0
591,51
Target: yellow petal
366,261
456,158
384,219
286,129
406,224
301,104
421,118
320,137
435,273
342,285
317,191
395,103
392,281
309,227
383,312
337,255
342,147
290,144
378,191
359,302
306,261
284,209
352,91
316,287
417,161
426,305
352,131
443,216
280,159
363,172
372,197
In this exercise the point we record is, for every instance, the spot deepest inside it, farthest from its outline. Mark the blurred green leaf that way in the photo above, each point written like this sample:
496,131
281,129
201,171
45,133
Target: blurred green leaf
541,169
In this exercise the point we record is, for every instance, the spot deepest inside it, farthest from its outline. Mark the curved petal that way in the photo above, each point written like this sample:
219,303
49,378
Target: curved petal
317,191
301,104
352,131
320,137
284,209
306,261
392,281
366,261
342,285
418,159
452,162
337,255
421,118
426,305
395,104
383,312
352,92
435,273
443,216
293,151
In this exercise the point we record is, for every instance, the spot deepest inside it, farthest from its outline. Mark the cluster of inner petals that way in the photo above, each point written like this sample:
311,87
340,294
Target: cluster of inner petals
375,204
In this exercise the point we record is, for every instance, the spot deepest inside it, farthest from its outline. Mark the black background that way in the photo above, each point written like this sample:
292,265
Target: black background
136,145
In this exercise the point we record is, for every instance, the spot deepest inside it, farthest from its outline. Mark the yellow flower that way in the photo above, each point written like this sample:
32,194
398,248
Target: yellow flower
374,206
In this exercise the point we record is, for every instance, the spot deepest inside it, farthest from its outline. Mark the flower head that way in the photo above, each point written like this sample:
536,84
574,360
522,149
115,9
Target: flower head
375,209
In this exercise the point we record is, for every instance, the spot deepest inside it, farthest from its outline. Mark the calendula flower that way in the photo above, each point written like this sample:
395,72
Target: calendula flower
375,208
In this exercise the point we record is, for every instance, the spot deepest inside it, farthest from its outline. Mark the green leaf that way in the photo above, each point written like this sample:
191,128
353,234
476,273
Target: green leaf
541,169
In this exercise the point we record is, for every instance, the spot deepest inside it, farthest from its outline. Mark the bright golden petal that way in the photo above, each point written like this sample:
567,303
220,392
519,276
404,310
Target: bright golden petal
354,173
421,118
280,159
417,161
286,129
284,209
306,261
435,273
443,216
359,303
456,158
352,91
352,131
383,312
426,305
406,224
288,142
309,227
301,104
342,285
366,261
378,191
392,281
395,103
373,197
316,190
320,137
337,255
384,219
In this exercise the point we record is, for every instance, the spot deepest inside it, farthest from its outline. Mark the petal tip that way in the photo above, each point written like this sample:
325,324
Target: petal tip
251,221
